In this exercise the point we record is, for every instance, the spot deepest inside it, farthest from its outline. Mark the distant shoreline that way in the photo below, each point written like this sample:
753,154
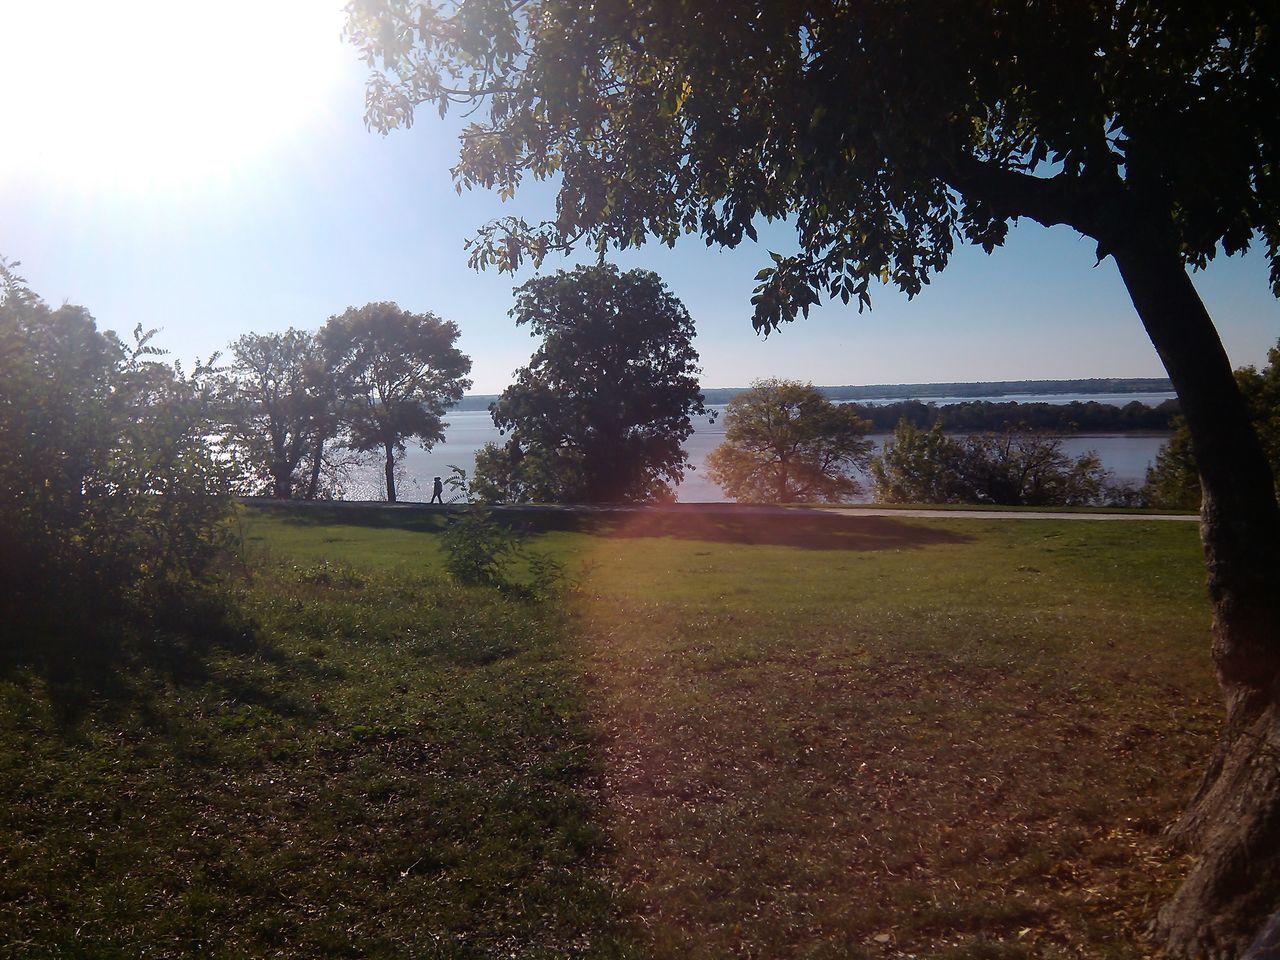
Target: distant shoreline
890,391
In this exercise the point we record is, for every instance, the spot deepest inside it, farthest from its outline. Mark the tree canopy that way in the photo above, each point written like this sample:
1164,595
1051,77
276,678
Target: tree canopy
787,443
108,490
396,373
882,131
885,132
279,407
601,411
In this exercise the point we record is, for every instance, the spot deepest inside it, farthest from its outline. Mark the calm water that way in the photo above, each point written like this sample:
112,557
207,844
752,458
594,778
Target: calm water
1125,455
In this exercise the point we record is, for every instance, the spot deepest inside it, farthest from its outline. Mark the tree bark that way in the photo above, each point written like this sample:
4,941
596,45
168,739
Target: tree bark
1234,817
317,461
390,470
282,482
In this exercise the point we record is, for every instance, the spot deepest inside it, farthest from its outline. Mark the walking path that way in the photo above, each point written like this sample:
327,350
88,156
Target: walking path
732,509
979,514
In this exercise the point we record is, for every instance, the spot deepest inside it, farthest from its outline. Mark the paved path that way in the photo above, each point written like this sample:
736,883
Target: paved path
731,509
978,514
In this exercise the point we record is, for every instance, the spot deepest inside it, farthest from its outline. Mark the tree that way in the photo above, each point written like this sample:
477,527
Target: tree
1012,468
601,411
785,442
108,488
1017,468
885,132
918,466
396,373
280,408
1174,479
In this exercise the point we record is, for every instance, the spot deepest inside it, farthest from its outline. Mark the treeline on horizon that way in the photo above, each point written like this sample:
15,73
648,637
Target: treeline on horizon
982,415
993,388
985,415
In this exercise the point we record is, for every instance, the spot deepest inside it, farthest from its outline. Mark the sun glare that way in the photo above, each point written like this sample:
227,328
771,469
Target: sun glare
151,94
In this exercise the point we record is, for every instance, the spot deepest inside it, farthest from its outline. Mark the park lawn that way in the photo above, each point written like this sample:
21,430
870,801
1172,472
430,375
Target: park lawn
748,736
349,764
960,740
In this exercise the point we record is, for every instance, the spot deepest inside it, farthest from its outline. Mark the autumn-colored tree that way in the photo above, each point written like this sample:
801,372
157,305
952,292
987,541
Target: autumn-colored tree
785,442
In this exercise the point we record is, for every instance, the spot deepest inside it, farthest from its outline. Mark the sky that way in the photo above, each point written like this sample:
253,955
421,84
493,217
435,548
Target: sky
205,169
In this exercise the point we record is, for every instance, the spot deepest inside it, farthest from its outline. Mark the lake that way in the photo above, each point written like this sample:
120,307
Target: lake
1125,455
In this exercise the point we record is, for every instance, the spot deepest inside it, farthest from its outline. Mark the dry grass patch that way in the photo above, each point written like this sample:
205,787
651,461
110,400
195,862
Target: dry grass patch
961,750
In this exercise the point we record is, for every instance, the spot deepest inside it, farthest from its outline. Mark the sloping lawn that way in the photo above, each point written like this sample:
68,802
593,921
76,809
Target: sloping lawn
731,736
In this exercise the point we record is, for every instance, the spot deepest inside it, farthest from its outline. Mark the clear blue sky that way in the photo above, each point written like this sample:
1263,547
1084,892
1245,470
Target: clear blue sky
225,183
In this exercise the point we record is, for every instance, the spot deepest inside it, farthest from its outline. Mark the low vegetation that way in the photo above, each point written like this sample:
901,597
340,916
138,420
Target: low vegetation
367,764
1013,468
807,735
1174,479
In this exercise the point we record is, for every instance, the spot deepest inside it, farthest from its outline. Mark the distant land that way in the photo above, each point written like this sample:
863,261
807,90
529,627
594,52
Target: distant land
888,391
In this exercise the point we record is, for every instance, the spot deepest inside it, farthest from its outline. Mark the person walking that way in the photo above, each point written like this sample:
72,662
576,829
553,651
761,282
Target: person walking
437,492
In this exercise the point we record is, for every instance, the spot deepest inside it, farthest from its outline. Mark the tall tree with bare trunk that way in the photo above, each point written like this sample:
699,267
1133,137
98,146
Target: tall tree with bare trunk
396,373
278,409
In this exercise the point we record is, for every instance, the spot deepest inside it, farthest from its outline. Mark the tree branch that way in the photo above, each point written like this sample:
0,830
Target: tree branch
1049,201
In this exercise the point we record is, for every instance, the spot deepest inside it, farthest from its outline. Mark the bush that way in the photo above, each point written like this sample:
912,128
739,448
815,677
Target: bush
1011,468
108,489
480,551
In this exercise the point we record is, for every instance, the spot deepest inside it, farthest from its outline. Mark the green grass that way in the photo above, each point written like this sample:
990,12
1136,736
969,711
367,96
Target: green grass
763,737
387,767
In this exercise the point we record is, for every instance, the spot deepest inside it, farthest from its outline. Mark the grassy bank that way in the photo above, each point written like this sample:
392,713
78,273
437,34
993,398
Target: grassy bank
750,736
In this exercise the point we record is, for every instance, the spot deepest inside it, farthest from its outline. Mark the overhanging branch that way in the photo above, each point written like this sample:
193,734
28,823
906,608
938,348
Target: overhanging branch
1047,200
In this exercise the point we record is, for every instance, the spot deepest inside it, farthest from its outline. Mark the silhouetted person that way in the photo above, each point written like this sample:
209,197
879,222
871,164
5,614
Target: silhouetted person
437,492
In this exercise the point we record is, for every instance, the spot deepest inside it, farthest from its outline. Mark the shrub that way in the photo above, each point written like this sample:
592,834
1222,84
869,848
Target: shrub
108,489
478,551
1009,468
482,551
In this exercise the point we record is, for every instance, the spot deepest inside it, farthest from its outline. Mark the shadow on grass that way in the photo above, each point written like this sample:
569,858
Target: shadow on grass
807,531
374,516
107,662
749,526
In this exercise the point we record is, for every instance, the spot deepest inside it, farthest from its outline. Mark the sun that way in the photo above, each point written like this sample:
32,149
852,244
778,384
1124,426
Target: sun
148,94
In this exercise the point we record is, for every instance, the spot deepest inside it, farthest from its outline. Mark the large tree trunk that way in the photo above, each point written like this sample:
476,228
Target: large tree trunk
281,482
390,470
317,461
1234,818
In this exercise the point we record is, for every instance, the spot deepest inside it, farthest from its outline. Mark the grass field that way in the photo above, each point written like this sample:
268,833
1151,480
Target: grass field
752,737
